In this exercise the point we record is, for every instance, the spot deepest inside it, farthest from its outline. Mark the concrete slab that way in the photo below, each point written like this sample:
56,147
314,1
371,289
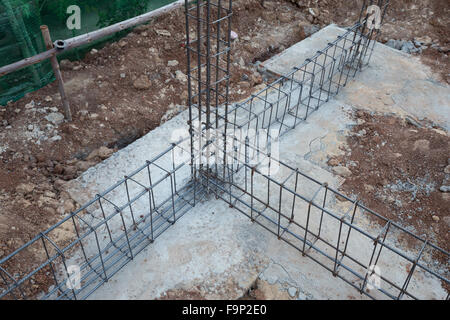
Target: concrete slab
216,252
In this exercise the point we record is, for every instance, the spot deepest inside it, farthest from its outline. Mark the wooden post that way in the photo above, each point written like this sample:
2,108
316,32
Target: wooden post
57,72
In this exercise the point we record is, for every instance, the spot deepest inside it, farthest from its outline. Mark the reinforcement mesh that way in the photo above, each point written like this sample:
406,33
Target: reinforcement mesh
20,34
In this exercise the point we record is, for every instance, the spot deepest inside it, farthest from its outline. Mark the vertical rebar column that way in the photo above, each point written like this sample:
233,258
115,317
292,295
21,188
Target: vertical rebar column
208,46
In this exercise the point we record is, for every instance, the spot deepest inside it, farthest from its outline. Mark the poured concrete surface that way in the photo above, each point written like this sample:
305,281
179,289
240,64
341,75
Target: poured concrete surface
217,252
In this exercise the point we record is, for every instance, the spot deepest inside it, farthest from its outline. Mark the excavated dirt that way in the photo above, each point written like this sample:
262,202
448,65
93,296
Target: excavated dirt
423,20
39,152
398,169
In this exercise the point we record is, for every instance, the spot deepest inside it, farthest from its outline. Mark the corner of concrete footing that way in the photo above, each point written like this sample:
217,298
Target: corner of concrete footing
215,249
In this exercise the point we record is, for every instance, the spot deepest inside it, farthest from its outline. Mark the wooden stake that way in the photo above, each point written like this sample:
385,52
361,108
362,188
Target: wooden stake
57,72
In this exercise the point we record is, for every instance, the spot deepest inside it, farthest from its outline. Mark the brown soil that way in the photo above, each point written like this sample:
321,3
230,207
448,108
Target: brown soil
397,170
404,20
108,111
181,294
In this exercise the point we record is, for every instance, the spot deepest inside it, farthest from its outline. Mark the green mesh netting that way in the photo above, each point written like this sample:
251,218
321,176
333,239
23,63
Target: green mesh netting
20,34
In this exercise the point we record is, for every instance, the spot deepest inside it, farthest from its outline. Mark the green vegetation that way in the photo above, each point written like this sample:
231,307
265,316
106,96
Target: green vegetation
20,35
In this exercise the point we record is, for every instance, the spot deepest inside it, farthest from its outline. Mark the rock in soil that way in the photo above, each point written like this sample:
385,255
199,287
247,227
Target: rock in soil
142,83
342,171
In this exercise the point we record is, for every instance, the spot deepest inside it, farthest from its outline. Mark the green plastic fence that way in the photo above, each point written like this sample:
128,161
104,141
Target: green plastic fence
20,34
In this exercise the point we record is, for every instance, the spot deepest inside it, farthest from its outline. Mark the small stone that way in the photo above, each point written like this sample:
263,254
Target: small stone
172,63
67,207
122,43
409,47
180,76
421,145
123,75
84,165
333,162
444,188
25,188
439,131
244,84
261,68
285,17
49,211
55,117
314,12
94,51
48,99
436,218
50,194
24,203
445,196
55,138
30,105
47,202
30,127
425,40
368,188
292,291
342,171
70,170
17,111
361,133
58,169
256,78
234,35
164,33
59,184
102,153
447,169
142,83
242,62
396,44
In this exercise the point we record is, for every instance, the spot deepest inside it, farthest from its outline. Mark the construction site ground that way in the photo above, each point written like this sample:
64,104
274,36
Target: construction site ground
392,139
